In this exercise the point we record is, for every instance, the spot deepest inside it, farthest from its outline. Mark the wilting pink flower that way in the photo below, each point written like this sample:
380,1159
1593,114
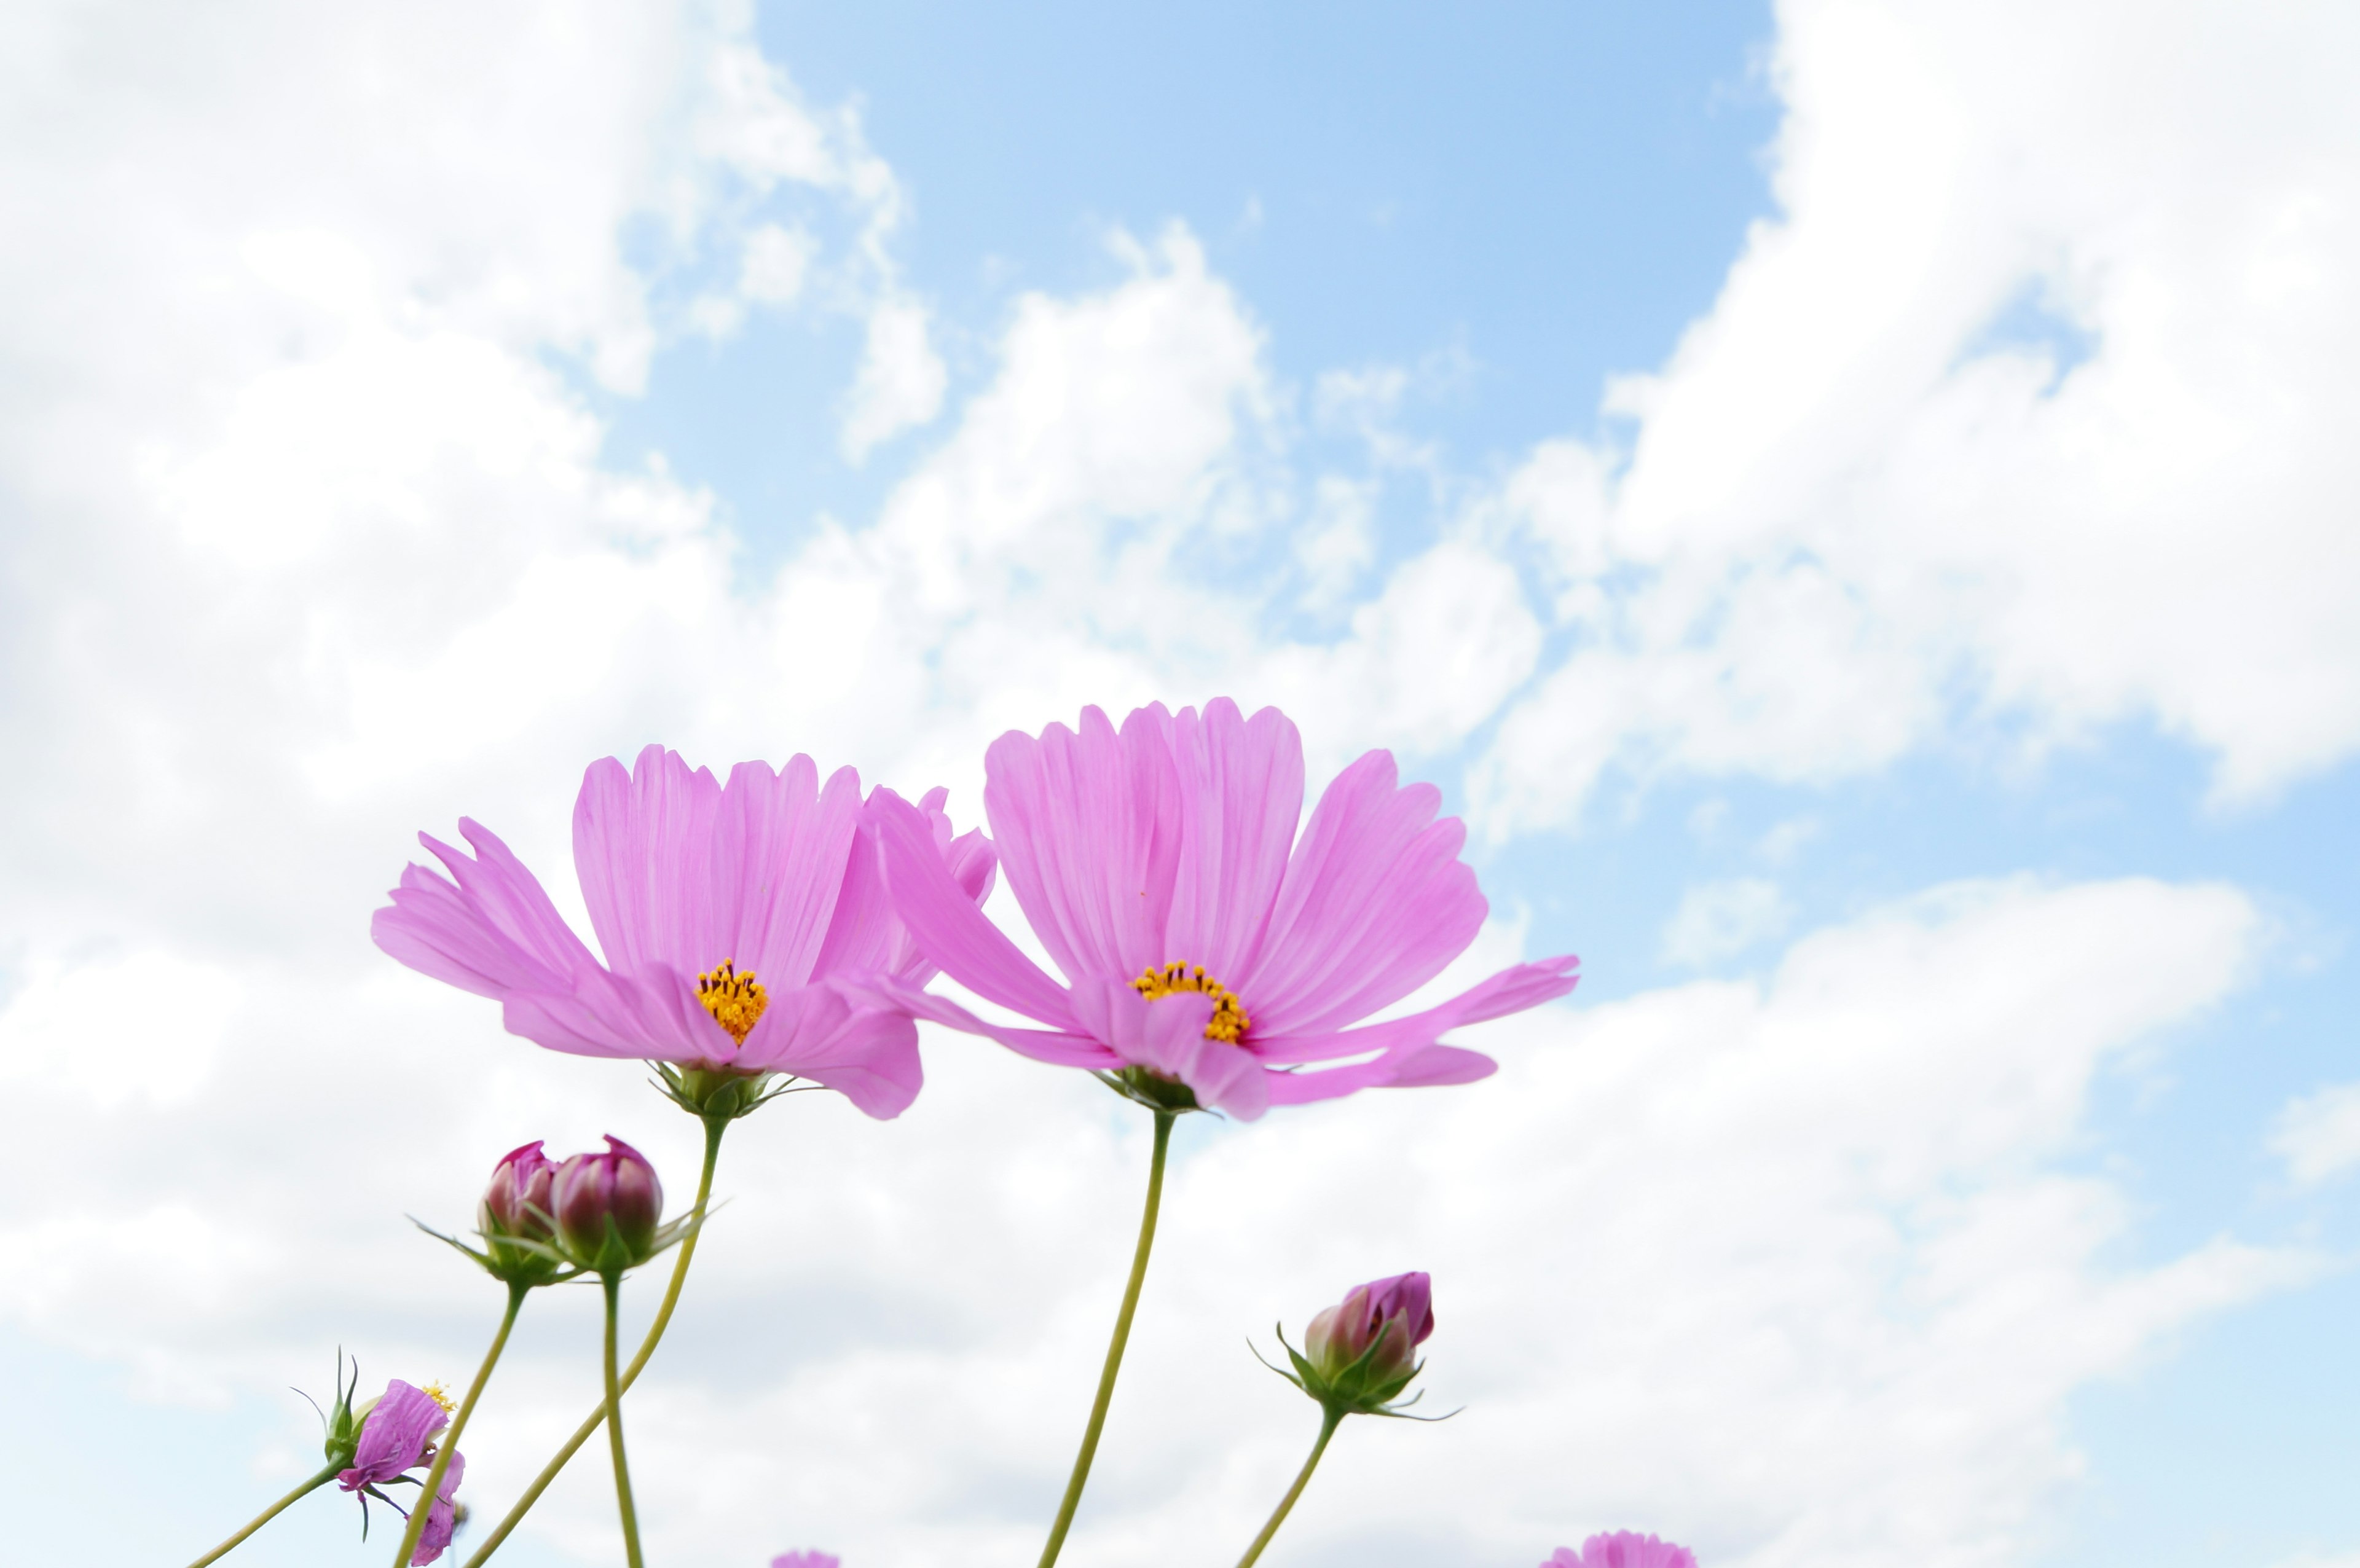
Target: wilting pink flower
1399,1311
397,1434
1623,1549
441,1514
590,1190
1199,937
804,1559
736,922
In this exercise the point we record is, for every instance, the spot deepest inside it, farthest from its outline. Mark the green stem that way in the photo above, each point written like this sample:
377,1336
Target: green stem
714,1127
1081,1476
1327,1426
518,1290
266,1515
614,1283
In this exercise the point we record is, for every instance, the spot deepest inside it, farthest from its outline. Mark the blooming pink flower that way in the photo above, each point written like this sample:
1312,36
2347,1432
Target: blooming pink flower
1199,937
805,1560
1623,1549
739,924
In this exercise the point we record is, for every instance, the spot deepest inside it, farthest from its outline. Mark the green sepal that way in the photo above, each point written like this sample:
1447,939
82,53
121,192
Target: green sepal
614,1256
513,1260
1351,1390
718,1094
1154,1091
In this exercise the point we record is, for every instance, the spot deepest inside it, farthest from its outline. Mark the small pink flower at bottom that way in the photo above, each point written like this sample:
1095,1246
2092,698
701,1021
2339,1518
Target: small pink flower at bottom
1623,1549
804,1559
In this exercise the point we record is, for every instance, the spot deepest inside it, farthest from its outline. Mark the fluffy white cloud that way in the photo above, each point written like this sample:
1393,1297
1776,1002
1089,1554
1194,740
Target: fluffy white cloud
1860,504
2318,1136
1720,919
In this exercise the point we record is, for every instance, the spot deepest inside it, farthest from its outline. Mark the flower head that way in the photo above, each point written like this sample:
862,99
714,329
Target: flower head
1623,1549
740,924
397,1432
609,1207
1210,954
805,1560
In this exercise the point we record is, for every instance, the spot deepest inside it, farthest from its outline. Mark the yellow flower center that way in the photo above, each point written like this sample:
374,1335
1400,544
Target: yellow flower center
441,1396
735,1000
1228,1021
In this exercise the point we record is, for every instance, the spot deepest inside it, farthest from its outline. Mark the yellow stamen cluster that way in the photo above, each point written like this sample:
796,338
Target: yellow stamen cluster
1228,1021
735,1000
441,1396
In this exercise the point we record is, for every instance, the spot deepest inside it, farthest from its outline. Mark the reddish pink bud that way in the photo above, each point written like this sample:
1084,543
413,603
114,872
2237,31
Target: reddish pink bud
517,1200
1394,1315
607,1206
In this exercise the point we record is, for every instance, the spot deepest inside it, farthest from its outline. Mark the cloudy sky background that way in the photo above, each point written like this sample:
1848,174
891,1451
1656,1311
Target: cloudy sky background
1854,504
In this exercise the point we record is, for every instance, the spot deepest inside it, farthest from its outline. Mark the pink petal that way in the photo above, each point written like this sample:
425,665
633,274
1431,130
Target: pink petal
776,863
1510,991
1167,1036
1088,832
1241,797
490,928
946,926
839,1038
1375,903
1417,1067
868,938
641,843
1057,1047
653,1014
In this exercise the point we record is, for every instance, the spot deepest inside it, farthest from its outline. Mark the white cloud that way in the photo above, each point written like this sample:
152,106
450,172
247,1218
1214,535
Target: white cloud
902,379
1853,521
2318,1135
1720,919
776,262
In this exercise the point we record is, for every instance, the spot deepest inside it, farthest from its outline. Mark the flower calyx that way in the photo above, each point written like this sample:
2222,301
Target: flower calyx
1145,1086
721,1093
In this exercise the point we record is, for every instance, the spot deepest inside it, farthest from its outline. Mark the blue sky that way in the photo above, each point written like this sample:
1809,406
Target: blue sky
1846,502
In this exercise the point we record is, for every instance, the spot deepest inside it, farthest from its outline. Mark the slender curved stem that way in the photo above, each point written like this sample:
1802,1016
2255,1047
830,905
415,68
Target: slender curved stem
614,1283
1081,1476
266,1515
1327,1426
713,1129
449,1443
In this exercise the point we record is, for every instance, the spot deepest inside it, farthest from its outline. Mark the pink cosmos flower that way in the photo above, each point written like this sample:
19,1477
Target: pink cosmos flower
398,1435
1623,1549
1201,938
740,923
805,1560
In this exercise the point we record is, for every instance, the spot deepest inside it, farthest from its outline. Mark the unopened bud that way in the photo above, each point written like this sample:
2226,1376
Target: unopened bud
607,1207
1364,1351
515,1216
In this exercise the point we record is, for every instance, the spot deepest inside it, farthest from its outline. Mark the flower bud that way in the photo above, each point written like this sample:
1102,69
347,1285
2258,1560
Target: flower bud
607,1207
1364,1351
516,1202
